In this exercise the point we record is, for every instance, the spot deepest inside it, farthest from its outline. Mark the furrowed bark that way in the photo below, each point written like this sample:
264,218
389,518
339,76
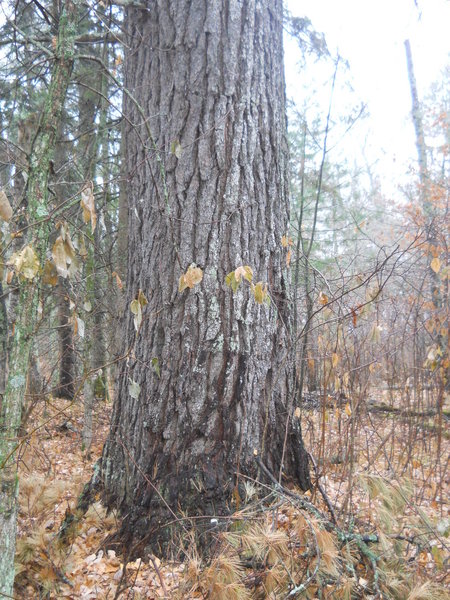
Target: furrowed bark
208,77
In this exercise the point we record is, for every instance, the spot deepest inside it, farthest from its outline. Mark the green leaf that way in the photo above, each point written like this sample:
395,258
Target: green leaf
134,307
231,281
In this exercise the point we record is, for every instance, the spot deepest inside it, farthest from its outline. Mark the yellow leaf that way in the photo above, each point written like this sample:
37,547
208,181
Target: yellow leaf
323,299
334,360
25,262
192,276
30,265
286,241
182,285
435,265
297,412
5,207
348,410
248,273
231,281
134,307
142,299
260,292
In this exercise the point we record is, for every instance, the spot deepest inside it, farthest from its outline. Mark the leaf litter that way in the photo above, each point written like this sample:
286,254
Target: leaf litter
366,491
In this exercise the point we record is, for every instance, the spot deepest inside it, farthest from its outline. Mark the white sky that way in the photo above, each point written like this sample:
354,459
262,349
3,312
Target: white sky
370,34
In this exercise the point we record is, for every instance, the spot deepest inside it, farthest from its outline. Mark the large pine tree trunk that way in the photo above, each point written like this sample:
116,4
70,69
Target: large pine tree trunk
209,75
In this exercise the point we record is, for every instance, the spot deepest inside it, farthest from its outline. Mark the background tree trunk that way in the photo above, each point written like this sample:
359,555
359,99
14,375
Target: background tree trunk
209,77
36,196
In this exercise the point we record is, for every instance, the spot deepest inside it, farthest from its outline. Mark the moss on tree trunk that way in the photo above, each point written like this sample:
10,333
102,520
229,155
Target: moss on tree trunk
36,196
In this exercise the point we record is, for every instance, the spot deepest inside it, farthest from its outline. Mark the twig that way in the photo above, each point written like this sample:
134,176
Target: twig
158,572
321,490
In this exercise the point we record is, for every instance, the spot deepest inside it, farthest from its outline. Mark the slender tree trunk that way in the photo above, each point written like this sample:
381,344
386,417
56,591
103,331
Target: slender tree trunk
88,149
67,359
3,338
427,202
37,198
207,172
417,120
66,387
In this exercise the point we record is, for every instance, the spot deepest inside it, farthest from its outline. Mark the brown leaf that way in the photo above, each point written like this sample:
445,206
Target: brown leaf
286,241
50,275
288,257
88,205
260,292
435,265
25,262
5,207
59,257
245,272
118,280
192,276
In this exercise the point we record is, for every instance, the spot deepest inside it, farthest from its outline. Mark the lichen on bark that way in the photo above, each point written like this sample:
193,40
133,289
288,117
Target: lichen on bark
36,196
209,76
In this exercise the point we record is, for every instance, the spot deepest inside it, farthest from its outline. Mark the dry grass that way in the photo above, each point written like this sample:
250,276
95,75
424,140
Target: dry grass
272,546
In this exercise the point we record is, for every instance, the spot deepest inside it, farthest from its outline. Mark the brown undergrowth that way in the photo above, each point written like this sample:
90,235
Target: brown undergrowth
374,526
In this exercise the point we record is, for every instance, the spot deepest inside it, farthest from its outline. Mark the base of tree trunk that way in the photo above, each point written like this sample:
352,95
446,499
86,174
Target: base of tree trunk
192,505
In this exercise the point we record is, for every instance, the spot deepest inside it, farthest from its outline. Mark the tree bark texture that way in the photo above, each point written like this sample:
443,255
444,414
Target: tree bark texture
207,75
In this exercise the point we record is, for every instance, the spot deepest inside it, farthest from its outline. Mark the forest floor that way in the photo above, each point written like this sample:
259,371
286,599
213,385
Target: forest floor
403,450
